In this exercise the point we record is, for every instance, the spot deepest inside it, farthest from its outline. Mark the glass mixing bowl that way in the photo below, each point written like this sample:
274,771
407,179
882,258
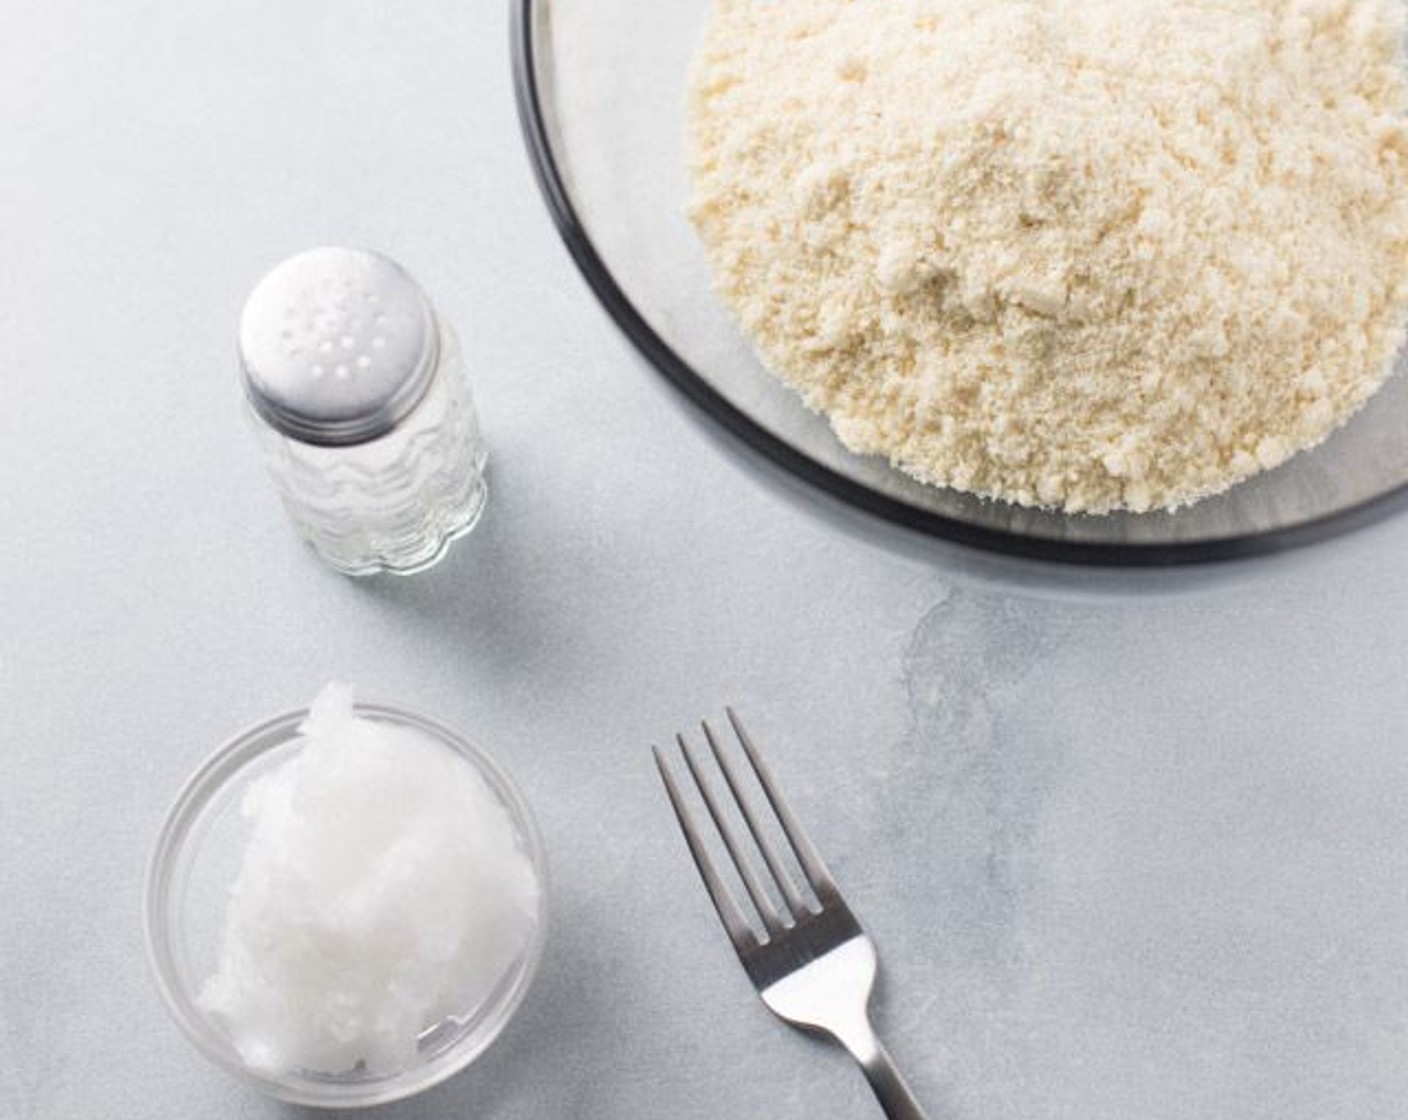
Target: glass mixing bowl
601,94
196,859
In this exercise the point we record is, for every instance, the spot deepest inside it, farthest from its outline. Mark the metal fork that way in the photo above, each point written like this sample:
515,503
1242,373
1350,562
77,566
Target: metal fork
812,963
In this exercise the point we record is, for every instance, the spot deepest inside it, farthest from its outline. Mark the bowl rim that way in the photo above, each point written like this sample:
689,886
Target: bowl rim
778,454
211,776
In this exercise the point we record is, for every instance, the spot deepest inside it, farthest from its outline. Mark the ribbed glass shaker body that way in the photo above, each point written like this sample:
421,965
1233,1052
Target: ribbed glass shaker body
360,398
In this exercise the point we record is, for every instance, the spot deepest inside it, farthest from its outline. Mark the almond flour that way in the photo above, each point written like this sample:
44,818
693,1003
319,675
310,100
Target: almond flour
1083,254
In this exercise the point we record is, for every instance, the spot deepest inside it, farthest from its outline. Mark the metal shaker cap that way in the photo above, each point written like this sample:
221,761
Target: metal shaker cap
337,346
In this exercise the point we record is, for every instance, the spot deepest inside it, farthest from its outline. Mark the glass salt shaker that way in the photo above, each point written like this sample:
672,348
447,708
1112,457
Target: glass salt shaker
363,408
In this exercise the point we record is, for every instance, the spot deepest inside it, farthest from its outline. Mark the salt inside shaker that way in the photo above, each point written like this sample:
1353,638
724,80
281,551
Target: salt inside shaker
361,402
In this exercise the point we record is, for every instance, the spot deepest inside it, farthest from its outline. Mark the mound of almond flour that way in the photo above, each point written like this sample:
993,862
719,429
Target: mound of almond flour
1085,254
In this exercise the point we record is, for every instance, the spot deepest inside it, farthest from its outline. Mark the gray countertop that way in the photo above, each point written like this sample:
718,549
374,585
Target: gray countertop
1131,846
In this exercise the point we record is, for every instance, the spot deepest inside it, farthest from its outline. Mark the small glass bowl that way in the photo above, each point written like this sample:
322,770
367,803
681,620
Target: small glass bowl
197,858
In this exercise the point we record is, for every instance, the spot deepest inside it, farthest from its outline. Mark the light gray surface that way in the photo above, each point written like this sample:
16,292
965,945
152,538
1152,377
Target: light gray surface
1130,849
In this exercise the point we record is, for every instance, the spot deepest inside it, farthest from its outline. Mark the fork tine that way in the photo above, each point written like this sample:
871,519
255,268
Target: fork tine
780,875
739,931
813,866
751,882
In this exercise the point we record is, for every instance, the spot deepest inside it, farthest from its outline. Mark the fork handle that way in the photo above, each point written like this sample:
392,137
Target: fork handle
889,1086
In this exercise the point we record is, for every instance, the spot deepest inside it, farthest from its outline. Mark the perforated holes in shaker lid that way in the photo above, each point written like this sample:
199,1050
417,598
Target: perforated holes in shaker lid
337,346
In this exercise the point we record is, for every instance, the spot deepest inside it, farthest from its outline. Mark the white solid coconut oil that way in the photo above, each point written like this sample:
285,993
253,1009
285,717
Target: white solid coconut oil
384,890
